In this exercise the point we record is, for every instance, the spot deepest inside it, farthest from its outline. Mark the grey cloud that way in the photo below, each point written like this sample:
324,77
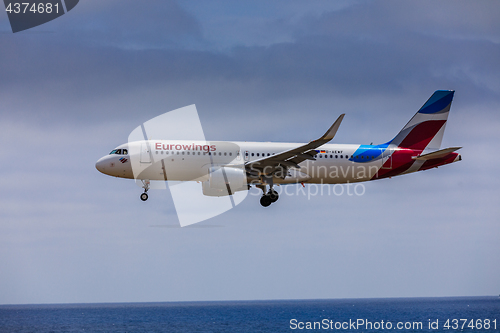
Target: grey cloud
345,53
382,20
131,24
316,67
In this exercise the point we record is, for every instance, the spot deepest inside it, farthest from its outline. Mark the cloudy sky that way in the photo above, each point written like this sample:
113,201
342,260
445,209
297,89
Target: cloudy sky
74,88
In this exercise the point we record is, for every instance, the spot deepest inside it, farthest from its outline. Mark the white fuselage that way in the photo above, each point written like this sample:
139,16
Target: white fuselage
191,160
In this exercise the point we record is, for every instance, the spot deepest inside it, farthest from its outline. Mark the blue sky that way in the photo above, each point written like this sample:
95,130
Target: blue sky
74,88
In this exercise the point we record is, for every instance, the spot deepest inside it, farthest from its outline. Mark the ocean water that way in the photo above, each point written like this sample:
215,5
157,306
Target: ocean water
464,314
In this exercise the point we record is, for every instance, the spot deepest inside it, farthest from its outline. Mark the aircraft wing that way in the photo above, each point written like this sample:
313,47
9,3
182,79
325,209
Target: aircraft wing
292,157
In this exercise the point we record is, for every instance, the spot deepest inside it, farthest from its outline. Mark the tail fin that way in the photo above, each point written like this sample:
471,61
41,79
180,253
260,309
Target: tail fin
426,128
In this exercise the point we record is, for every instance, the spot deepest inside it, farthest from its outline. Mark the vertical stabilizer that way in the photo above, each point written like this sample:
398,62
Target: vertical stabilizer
425,130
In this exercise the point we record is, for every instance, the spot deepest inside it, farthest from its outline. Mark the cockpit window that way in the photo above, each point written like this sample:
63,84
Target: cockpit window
119,152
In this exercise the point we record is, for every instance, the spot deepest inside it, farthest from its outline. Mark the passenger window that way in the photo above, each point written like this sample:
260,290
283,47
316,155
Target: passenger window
252,154
341,156
230,154
246,154
346,156
225,154
257,154
331,156
268,154
156,152
336,156
220,154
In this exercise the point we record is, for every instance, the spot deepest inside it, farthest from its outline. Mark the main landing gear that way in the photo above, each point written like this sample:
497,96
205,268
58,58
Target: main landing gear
145,186
269,198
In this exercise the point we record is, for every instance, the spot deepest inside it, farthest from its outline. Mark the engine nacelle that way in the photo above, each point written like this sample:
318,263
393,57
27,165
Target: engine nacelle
225,181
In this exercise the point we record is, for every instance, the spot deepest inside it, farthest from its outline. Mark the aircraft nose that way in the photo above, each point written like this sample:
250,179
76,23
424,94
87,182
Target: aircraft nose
99,165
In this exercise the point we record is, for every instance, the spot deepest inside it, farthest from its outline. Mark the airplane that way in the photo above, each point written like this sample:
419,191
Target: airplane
224,167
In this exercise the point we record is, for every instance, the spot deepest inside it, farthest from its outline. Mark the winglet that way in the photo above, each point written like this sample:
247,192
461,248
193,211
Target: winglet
292,157
333,129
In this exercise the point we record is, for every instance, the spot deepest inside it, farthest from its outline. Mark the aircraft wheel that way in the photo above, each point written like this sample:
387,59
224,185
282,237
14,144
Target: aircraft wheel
273,196
144,196
265,200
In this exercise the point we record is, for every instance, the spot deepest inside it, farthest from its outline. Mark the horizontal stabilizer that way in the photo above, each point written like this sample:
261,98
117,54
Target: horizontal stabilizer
436,154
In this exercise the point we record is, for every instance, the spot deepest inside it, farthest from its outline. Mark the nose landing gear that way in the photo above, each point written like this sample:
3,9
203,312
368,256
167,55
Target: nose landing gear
145,186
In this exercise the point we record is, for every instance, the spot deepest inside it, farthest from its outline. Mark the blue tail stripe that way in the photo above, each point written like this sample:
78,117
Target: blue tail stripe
438,101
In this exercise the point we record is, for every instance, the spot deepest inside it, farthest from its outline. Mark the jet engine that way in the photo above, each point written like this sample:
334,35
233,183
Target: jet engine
224,181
